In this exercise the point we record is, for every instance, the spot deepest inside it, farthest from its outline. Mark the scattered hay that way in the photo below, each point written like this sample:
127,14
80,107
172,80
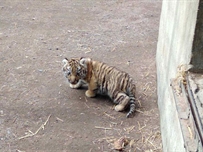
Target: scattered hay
109,140
140,128
139,103
59,119
149,113
147,74
109,116
148,141
88,51
152,144
114,123
132,143
33,134
129,129
113,49
97,127
87,105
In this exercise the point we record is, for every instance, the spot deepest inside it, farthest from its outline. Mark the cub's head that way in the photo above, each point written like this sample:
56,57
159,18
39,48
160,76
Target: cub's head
75,69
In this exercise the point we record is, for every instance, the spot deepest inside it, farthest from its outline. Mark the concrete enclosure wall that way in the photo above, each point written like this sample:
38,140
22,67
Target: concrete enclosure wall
176,33
197,50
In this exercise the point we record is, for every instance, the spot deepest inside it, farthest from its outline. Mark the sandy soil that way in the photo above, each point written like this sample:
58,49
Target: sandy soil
38,110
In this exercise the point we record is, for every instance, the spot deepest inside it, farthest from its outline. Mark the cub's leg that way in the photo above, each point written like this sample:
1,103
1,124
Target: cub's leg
92,88
122,100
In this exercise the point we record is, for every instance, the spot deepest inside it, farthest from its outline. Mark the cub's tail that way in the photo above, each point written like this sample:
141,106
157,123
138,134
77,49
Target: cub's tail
133,100
132,108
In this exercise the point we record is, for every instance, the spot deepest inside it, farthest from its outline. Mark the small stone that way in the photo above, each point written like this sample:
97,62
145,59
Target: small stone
120,143
40,70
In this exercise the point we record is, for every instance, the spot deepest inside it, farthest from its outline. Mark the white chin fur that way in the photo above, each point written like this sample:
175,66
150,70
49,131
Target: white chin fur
75,86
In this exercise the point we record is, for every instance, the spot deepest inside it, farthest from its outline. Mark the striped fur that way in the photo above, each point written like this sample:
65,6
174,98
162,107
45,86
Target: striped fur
104,79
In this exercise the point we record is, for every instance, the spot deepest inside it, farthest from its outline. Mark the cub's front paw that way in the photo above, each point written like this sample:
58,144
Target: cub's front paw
90,93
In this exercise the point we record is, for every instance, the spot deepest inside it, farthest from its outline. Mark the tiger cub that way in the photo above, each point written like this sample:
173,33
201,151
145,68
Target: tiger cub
101,78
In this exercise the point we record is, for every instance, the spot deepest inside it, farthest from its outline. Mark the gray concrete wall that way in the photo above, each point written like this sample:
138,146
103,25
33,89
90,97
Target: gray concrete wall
197,49
176,33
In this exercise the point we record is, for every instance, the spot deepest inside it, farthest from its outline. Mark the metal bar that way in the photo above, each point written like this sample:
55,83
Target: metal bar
194,111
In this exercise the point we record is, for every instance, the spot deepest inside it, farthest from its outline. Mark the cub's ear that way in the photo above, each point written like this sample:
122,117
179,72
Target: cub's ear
84,61
65,61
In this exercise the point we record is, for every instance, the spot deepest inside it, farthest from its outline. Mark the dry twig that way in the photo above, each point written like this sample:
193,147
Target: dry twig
97,127
140,128
59,119
87,105
152,144
88,51
109,116
129,129
33,134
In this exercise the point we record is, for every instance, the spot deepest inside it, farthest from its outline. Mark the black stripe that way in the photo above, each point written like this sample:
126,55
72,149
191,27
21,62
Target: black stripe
103,81
132,108
120,98
123,82
108,82
101,70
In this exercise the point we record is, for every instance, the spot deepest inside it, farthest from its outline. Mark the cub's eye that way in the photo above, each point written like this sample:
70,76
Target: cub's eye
68,71
78,72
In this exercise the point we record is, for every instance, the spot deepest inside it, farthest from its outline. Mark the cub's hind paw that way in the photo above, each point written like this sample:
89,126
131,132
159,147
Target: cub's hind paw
119,108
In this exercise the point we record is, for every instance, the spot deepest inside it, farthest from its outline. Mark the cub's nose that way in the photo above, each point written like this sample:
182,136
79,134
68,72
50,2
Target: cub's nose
72,80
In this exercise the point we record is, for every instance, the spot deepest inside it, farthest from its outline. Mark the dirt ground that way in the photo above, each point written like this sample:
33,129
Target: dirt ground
38,110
